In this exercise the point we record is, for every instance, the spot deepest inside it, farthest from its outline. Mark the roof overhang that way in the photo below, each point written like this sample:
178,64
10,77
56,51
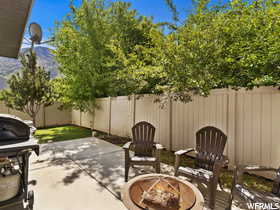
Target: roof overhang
13,19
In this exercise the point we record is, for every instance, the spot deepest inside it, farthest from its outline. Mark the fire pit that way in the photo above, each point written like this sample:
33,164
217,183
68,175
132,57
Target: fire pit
162,192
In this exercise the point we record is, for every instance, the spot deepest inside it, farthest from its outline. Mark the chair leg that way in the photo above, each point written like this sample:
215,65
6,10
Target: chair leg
126,164
231,197
230,202
157,166
212,186
126,172
176,173
177,164
220,184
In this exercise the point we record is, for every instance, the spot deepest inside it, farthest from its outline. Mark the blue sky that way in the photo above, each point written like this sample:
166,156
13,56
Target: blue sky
46,12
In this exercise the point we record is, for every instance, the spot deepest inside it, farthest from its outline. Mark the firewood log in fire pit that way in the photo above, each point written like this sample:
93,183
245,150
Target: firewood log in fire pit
162,195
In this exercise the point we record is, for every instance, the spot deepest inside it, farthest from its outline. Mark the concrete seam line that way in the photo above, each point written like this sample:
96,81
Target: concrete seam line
98,181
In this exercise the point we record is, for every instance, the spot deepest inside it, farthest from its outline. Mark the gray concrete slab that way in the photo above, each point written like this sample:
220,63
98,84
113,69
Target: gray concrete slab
86,147
84,174
108,168
62,185
64,188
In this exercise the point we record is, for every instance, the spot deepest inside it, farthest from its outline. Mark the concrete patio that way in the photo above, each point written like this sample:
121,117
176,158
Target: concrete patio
84,174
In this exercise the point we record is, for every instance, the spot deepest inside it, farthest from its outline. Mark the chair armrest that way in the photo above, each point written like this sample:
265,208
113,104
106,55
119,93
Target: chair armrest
248,168
225,160
127,145
178,155
158,146
182,152
219,164
240,169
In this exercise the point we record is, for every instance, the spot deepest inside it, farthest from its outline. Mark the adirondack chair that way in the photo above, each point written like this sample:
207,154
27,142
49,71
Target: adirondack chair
253,196
146,151
210,144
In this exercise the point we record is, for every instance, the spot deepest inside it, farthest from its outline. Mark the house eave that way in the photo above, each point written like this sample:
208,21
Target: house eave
14,15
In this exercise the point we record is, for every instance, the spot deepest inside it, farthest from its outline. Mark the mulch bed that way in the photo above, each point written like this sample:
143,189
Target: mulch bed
117,140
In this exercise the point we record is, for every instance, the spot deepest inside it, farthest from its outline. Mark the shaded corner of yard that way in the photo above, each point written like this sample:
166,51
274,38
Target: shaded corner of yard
61,133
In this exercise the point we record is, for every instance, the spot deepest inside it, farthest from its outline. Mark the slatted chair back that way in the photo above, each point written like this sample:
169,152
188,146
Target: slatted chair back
143,134
210,144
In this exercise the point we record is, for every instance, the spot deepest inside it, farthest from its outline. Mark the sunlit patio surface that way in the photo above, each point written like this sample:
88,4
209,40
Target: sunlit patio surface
85,174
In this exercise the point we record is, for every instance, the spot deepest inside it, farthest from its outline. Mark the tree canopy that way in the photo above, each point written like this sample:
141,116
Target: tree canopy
233,45
105,48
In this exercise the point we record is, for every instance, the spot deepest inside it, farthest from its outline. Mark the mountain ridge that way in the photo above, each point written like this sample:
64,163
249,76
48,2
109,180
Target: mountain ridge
45,58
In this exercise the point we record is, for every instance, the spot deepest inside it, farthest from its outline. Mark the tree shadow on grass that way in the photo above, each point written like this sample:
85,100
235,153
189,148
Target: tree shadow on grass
61,134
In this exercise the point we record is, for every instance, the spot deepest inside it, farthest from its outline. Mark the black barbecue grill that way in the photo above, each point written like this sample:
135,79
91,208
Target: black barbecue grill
16,146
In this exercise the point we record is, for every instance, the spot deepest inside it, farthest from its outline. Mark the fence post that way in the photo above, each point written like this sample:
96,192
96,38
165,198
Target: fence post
133,110
80,123
231,126
170,125
110,110
92,118
44,116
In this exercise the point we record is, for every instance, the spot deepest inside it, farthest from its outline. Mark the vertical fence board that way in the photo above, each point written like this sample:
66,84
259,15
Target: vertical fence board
76,117
275,140
239,128
266,134
121,116
147,110
231,127
102,114
54,116
247,128
256,128
86,119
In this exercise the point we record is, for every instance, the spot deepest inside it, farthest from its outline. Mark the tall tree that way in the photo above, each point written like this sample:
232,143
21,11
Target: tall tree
232,45
29,89
105,49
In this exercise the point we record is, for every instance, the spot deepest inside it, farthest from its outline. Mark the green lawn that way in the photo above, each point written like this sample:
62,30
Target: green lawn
61,133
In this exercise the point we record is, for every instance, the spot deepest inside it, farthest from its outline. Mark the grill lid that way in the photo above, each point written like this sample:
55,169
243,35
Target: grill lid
13,128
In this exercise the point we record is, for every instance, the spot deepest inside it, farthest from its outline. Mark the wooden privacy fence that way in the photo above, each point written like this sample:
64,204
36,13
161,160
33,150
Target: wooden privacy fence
250,119
47,116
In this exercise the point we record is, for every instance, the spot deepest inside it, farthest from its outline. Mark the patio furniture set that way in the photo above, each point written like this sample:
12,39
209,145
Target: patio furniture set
210,144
